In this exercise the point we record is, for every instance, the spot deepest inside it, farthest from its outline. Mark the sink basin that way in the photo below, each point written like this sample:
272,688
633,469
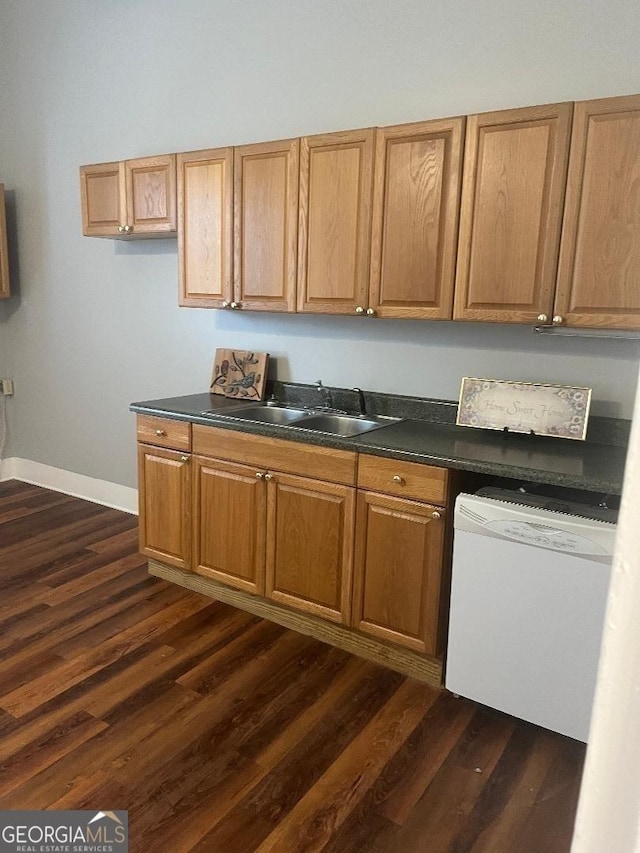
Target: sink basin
331,423
343,425
264,414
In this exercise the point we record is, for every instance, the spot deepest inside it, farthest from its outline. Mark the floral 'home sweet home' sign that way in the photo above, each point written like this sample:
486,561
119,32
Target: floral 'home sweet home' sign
557,410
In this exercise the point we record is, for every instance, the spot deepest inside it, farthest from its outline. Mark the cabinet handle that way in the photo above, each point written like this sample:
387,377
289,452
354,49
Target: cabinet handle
371,312
235,305
259,475
160,432
184,458
359,309
558,320
268,476
436,514
542,318
398,479
225,304
120,229
128,229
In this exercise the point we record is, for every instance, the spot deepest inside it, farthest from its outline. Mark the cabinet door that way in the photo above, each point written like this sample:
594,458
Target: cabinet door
398,569
335,222
151,196
600,254
229,524
310,545
4,255
164,494
103,195
418,171
265,225
205,227
515,166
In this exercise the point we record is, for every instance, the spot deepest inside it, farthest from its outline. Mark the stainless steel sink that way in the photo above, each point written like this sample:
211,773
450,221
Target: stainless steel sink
343,425
330,423
263,414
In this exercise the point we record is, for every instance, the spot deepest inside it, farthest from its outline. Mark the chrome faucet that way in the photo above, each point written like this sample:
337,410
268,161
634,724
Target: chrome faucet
326,394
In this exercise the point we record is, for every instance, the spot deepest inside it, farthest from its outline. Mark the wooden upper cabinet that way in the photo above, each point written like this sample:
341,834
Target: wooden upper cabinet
103,194
130,199
418,171
5,290
205,227
599,273
335,222
265,225
515,166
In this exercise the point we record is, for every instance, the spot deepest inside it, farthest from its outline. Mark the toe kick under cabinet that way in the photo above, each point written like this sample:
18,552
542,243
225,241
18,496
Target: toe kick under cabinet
350,548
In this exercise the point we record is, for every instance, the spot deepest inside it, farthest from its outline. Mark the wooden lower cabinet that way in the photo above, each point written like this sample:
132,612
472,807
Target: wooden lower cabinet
398,570
164,491
229,523
310,545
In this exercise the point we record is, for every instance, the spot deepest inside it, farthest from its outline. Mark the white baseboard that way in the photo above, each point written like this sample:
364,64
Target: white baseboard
98,491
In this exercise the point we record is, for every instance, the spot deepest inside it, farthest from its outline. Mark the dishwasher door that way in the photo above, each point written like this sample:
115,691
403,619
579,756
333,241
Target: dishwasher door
529,590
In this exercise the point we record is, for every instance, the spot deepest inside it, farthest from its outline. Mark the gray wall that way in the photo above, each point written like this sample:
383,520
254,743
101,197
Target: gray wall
95,324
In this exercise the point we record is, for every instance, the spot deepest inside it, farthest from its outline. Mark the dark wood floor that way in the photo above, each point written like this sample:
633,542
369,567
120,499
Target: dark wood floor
223,733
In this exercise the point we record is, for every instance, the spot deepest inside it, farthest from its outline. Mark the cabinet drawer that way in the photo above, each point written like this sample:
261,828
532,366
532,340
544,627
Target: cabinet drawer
405,479
273,454
164,432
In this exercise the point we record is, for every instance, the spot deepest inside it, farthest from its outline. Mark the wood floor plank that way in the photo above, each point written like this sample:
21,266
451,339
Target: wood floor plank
223,733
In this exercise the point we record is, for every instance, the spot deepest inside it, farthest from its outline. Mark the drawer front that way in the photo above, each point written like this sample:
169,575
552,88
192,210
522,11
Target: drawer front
404,479
273,454
164,432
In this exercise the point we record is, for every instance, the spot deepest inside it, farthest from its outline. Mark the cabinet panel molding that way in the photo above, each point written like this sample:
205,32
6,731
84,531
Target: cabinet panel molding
265,225
164,496
515,166
336,172
398,571
418,174
205,227
310,545
599,271
229,524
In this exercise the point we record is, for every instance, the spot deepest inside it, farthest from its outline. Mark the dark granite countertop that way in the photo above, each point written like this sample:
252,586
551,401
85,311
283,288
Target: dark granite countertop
429,435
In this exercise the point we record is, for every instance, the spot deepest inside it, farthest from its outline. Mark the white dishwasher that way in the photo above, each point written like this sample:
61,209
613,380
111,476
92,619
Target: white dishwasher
529,588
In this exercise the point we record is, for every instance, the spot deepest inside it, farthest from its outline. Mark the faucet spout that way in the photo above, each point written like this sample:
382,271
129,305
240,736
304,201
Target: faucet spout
326,393
361,401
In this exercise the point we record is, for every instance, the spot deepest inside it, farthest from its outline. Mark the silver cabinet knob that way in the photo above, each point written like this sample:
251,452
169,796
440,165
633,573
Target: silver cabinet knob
225,304
542,318
259,475
235,305
436,514
128,229
371,312
184,458
160,432
120,229
359,309
398,479
268,476
558,320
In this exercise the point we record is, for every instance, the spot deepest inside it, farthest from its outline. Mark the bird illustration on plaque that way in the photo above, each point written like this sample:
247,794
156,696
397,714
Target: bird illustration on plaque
238,373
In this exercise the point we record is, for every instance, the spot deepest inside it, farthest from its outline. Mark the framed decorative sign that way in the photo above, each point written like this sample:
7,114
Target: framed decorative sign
557,410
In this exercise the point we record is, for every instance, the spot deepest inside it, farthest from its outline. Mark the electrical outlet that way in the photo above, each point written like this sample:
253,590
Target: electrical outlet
6,387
